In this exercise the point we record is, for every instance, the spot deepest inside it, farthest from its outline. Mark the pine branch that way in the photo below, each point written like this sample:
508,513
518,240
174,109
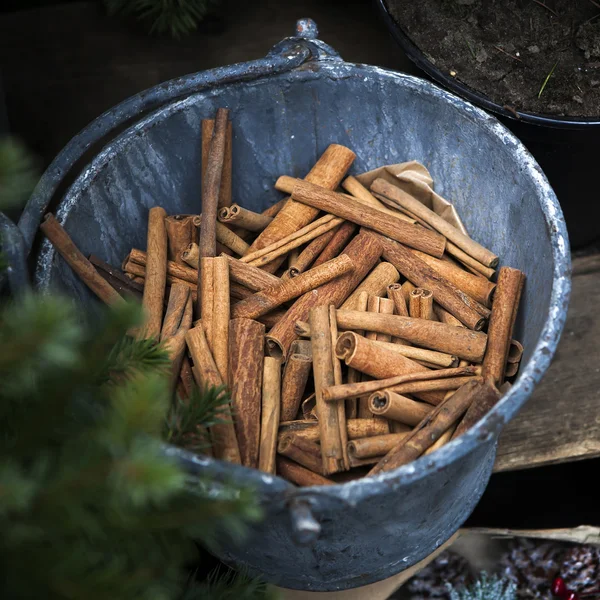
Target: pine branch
176,18
230,586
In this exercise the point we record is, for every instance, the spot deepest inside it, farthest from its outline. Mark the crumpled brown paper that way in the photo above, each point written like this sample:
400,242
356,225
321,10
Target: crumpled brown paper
414,179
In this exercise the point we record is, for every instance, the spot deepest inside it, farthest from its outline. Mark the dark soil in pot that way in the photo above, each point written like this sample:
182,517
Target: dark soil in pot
507,48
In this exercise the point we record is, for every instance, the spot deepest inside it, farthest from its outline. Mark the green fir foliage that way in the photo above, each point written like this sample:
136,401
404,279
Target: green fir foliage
176,18
486,588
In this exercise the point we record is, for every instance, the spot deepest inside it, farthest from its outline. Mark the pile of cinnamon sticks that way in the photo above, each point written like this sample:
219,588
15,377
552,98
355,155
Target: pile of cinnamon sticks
356,329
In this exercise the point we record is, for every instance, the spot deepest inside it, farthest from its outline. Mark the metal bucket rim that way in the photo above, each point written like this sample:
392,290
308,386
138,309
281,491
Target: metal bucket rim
493,422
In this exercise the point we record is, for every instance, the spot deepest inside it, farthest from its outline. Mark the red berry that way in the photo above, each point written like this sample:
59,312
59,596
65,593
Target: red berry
572,596
559,588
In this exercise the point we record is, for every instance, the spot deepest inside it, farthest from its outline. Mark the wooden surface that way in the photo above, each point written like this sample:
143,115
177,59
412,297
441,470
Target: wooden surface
561,422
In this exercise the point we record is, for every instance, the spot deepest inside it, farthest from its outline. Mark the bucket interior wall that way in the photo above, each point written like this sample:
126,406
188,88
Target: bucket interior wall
281,125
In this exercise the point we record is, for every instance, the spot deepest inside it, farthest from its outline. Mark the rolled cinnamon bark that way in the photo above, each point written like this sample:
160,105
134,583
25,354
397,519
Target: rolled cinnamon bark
445,293
205,372
293,258
431,357
253,278
269,424
295,376
374,284
246,353
364,462
457,341
364,251
268,254
429,430
226,237
502,321
353,405
356,428
468,261
298,474
386,307
207,134
206,296
484,399
478,288
350,209
174,269
442,440
156,274
178,302
420,304
328,171
186,379
379,361
65,246
117,279
465,243
515,351
394,293
180,233
374,446
445,317
244,218
398,408
511,369
266,300
311,252
359,191
329,426
220,316
300,450
372,307
337,378
340,238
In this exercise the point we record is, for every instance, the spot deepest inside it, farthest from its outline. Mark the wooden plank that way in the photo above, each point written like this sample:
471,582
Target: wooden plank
561,422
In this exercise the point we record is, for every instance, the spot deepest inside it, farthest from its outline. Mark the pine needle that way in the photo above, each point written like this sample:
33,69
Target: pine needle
486,588
547,80
470,47
230,586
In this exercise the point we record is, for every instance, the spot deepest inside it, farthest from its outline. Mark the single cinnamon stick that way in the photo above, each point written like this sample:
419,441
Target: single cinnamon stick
511,369
226,237
478,288
295,376
177,271
138,274
421,304
484,399
331,445
337,378
207,375
353,405
386,307
398,408
220,316
328,171
310,253
437,359
359,191
502,321
206,296
429,430
445,317
356,428
293,258
465,243
457,341
65,246
117,279
300,450
394,293
372,307
246,353
468,261
350,209
274,209
341,392
364,251
298,474
374,446
207,134
175,347
445,293
340,238
379,361
242,217
515,351
156,274
211,185
266,300
180,233
186,379
309,407
178,301
311,231
270,410
374,284
442,440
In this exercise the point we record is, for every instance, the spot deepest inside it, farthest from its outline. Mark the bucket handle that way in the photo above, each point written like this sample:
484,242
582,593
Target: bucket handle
285,56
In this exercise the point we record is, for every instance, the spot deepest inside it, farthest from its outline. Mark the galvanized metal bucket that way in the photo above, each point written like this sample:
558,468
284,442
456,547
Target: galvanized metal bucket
286,109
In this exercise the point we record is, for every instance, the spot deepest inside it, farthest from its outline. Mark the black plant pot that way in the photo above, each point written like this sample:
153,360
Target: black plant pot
567,148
